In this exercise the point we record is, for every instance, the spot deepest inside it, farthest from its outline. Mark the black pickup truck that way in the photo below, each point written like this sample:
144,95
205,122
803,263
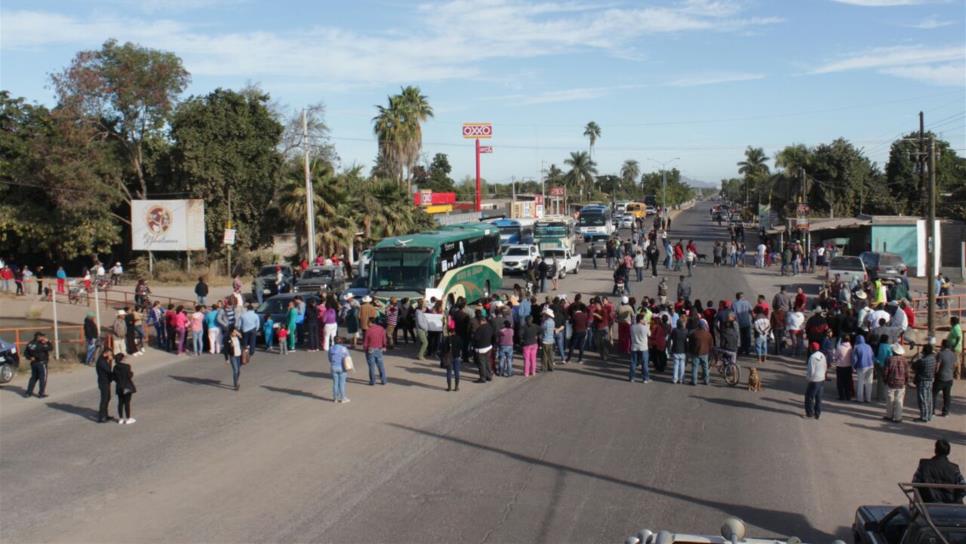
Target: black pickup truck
916,523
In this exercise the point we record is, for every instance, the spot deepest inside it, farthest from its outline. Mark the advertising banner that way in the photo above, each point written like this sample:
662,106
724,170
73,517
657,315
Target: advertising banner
168,225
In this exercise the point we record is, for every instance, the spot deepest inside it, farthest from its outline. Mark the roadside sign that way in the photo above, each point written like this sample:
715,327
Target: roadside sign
229,239
473,131
557,191
486,149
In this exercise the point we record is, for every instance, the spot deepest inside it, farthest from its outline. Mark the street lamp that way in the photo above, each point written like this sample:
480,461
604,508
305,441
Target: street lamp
664,180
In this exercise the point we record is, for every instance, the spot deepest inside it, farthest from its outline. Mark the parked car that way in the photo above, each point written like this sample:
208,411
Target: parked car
316,279
567,260
912,523
518,257
847,268
9,361
277,306
627,221
888,266
650,210
269,284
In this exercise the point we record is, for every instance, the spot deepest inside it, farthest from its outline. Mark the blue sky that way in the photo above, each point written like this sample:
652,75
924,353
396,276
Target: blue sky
696,80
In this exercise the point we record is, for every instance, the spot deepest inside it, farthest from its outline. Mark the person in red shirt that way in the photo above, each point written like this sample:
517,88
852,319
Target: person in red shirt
374,344
911,315
762,306
602,312
579,318
658,343
800,299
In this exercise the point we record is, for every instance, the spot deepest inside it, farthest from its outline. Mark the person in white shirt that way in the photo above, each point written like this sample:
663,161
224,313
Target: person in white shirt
815,371
794,321
760,262
116,272
762,329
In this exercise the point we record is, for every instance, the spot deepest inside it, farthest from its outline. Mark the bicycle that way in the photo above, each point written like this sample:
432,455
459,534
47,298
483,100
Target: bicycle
726,363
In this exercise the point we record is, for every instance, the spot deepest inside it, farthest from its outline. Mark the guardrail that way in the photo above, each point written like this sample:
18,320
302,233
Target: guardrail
113,298
70,335
946,307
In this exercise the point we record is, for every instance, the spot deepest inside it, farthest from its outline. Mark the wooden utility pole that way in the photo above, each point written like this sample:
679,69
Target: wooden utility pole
229,225
931,243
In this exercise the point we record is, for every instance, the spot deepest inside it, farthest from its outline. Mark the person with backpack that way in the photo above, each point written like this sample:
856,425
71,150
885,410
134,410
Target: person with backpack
124,388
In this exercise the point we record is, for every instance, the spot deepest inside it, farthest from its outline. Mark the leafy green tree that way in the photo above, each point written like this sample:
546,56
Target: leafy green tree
439,180
592,132
903,179
398,129
58,184
127,92
839,177
226,147
678,191
630,170
581,173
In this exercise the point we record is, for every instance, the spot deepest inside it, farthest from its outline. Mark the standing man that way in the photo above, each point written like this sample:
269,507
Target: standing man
639,352
90,337
483,342
38,353
374,343
815,371
862,362
896,380
249,323
742,310
367,313
944,378
700,343
925,368
201,291
542,270
679,346
547,330
105,375
422,330
684,289
955,338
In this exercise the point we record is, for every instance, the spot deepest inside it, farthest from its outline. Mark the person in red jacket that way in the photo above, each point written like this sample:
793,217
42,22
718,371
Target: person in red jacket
657,342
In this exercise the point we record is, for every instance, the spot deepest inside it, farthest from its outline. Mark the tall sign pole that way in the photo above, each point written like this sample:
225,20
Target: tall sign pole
478,131
931,243
309,197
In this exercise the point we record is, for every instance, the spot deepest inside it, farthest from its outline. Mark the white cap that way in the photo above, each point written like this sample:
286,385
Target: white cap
861,295
625,300
348,296
898,349
548,312
366,298
121,312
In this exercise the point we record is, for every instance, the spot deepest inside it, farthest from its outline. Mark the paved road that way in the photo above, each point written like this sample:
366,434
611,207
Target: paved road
579,455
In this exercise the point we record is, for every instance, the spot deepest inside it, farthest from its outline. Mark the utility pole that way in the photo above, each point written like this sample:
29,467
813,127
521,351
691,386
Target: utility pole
309,197
931,243
230,225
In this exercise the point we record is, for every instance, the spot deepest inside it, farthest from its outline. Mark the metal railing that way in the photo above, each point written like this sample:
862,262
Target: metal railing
70,335
946,306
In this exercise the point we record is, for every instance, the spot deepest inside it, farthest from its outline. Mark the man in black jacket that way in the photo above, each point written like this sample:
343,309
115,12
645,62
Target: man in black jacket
939,470
90,337
38,353
483,342
105,375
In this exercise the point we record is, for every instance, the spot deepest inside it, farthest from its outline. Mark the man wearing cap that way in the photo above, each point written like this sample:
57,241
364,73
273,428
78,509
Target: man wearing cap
896,380
119,331
815,371
38,353
367,313
548,328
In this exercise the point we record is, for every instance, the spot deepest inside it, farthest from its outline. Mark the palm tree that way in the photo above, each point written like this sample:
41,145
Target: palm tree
592,132
629,172
415,110
390,130
753,168
554,175
582,171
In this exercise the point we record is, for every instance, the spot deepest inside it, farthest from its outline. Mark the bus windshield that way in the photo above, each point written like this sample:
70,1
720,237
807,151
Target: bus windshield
402,269
551,229
591,219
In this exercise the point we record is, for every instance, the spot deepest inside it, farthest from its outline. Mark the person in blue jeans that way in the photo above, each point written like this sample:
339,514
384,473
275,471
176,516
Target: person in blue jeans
374,343
505,355
338,353
700,343
639,352
679,342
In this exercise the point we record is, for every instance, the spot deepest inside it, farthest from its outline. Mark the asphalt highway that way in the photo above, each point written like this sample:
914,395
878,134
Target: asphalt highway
577,455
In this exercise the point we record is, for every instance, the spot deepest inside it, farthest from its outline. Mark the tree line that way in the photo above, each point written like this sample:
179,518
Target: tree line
837,179
120,130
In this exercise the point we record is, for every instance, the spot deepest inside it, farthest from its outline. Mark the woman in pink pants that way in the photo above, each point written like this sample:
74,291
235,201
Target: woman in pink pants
529,334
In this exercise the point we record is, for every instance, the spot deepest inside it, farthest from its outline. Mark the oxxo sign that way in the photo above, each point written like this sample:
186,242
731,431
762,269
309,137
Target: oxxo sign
477,130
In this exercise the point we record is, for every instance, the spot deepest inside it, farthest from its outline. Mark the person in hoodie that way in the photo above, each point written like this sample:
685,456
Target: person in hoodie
862,362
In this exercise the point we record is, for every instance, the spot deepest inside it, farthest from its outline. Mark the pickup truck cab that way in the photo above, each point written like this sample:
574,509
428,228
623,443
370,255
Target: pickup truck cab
847,268
517,258
915,523
567,260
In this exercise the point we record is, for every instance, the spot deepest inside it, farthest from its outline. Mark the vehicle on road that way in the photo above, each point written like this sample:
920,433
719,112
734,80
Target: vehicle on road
726,364
637,210
732,531
916,523
567,260
270,285
558,229
651,210
9,361
595,219
277,306
461,260
518,258
358,288
887,266
316,279
848,268
597,244
514,231
626,222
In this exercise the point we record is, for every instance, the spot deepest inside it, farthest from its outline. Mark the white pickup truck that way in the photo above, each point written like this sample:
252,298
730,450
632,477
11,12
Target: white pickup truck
517,258
567,260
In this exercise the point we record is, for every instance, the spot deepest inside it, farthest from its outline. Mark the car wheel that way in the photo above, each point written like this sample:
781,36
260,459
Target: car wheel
577,268
563,274
6,373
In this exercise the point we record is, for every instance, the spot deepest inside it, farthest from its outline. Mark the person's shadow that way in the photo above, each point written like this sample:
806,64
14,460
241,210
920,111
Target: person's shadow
82,411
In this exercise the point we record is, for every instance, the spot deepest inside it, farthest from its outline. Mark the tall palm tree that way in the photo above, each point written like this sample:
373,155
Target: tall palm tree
582,171
629,172
554,175
592,132
415,109
389,127
753,168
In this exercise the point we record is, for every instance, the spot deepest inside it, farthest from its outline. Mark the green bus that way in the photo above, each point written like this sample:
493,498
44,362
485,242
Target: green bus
461,260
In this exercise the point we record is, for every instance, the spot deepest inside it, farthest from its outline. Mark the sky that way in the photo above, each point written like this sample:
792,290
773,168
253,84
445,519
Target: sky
682,83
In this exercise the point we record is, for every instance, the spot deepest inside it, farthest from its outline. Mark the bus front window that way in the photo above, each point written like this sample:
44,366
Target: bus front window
401,270
592,220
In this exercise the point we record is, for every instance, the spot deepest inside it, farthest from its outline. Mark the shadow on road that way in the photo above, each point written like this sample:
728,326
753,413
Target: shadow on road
731,403
294,392
191,380
911,428
779,523
82,411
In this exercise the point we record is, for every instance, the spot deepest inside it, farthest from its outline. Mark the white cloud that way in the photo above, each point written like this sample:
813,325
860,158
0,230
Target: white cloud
883,3
951,74
713,78
930,23
884,57
452,38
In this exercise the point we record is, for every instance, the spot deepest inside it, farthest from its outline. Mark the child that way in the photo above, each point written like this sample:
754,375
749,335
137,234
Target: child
268,330
282,337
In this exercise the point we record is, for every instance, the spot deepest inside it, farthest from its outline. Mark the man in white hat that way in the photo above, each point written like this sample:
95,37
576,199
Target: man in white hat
896,380
367,313
548,327
119,331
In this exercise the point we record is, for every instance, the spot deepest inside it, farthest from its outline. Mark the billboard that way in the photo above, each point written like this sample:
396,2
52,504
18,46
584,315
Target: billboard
168,225
477,130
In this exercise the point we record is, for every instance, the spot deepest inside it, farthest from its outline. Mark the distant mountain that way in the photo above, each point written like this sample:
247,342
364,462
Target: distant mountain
696,183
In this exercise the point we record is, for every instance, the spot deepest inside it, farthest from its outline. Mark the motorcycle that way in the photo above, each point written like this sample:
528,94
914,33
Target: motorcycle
9,361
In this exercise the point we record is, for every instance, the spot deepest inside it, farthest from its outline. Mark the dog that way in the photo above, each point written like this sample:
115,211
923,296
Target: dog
754,380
